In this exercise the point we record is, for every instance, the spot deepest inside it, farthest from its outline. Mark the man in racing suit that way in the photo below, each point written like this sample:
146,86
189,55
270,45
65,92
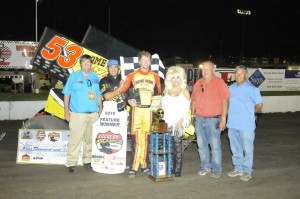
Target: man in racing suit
145,82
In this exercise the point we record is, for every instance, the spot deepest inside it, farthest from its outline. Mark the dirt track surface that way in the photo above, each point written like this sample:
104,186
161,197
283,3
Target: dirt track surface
276,171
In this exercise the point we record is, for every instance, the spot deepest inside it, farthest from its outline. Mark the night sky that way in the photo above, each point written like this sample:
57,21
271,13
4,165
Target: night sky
167,27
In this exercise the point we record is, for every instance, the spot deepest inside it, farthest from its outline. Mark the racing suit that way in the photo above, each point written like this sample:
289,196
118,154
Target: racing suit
141,120
109,83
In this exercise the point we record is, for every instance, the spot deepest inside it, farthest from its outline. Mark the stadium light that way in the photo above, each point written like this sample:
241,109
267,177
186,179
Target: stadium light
243,12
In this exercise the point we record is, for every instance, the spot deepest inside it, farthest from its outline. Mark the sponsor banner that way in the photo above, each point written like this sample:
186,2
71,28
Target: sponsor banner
256,78
59,56
110,140
193,74
227,74
264,79
292,80
17,54
42,146
267,79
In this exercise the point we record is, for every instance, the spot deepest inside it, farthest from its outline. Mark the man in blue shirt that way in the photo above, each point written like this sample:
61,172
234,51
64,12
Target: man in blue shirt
82,108
245,100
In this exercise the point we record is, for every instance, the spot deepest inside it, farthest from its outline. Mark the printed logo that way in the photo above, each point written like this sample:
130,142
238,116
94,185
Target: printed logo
292,74
227,75
53,137
257,78
5,53
26,135
40,135
25,157
109,142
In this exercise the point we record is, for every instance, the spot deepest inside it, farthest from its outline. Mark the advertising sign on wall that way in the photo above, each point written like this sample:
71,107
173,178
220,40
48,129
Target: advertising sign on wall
16,54
264,79
292,80
267,79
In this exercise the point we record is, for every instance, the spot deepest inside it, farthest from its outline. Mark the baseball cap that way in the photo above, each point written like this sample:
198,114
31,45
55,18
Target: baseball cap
112,62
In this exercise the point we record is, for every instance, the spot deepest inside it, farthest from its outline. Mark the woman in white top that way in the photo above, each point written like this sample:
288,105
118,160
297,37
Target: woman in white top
176,106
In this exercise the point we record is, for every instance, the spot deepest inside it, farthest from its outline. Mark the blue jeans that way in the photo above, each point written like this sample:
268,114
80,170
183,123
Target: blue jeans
242,147
209,135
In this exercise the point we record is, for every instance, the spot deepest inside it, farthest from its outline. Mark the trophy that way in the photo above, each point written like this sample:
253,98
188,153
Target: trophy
121,104
159,125
160,115
135,94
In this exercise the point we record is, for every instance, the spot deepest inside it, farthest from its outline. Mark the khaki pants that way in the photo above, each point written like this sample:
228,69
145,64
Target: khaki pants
81,133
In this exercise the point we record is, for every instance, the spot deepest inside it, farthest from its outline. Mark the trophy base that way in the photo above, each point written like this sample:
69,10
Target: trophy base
160,127
160,179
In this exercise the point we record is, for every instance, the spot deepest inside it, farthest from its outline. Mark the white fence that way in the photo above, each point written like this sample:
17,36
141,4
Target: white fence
20,110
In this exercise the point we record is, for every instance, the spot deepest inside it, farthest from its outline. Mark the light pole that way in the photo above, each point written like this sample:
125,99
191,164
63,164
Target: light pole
108,20
221,52
244,13
36,20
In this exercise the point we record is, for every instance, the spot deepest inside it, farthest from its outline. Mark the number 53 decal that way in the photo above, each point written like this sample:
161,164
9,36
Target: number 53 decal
53,51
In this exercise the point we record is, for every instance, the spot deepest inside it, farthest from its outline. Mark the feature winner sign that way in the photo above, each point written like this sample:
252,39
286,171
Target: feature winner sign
110,140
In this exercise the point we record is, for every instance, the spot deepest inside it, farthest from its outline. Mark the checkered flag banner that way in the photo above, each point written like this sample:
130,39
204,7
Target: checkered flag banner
130,64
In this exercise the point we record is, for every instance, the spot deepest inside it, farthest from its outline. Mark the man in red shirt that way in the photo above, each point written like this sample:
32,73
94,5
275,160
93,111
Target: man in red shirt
210,105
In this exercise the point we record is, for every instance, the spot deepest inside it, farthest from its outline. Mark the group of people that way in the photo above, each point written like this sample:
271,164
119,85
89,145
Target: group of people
84,94
212,104
215,107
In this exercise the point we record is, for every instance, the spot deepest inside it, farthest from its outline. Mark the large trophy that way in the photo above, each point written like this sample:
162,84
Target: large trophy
161,149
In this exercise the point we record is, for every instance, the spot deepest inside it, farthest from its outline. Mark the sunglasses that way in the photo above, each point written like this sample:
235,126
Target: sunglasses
89,83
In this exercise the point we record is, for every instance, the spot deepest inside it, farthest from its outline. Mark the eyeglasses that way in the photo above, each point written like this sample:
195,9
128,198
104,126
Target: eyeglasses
89,83
160,112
